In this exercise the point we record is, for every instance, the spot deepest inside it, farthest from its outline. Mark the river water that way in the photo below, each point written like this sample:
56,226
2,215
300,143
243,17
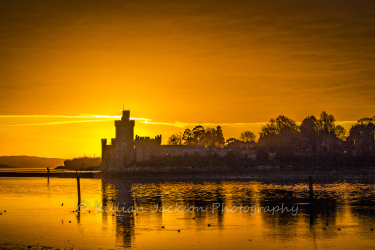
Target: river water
119,214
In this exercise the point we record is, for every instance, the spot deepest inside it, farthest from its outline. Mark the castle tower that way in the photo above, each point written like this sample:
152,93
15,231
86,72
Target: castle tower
124,142
124,132
104,146
105,154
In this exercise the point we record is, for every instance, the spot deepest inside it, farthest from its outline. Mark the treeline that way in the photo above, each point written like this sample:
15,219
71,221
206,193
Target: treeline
316,137
281,138
209,137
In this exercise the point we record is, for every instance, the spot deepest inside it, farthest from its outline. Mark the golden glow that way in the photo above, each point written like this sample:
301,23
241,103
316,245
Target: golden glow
71,136
31,201
177,64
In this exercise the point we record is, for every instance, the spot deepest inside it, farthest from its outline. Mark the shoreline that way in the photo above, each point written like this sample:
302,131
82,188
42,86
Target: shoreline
270,176
365,175
59,175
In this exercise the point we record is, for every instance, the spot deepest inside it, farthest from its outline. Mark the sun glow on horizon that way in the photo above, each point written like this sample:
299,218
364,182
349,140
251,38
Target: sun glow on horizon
194,63
78,135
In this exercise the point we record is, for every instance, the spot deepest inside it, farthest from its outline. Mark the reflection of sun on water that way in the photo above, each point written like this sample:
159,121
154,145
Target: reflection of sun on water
35,214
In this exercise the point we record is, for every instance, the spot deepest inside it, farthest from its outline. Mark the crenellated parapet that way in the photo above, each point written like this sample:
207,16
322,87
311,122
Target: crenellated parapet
140,140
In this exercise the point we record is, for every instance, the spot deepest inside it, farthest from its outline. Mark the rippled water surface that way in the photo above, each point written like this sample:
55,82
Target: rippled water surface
118,214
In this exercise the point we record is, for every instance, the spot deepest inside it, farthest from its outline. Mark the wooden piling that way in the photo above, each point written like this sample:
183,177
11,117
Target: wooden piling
79,188
311,192
79,193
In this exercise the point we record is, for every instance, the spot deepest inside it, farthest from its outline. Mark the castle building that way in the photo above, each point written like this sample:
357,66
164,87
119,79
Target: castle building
125,150
121,150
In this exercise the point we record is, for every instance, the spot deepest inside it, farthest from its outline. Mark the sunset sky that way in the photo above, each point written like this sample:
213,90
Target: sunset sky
67,67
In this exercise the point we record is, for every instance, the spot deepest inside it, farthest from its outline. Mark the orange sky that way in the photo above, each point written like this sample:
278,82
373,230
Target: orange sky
236,63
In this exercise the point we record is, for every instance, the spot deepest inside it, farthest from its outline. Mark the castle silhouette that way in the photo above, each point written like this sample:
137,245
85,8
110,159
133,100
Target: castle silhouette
124,150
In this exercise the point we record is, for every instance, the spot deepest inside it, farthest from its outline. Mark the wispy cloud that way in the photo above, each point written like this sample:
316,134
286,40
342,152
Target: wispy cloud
84,116
101,118
87,117
52,123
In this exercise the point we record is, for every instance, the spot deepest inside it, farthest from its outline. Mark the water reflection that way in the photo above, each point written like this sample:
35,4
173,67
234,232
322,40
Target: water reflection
185,215
116,201
340,209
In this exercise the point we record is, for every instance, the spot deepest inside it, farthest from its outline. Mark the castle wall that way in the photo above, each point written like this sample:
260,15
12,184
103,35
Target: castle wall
108,157
145,151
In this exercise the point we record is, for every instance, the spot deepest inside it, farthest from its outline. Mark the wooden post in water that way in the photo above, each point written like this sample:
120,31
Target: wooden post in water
311,191
79,189
48,175
79,193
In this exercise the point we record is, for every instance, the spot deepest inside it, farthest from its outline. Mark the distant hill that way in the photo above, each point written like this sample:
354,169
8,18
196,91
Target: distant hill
24,161
6,166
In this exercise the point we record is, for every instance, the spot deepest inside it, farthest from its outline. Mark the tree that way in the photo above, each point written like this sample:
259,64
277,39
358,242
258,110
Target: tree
326,123
232,142
175,139
340,132
276,125
309,132
309,127
219,137
362,136
280,135
209,136
366,121
187,137
198,134
248,136
330,134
